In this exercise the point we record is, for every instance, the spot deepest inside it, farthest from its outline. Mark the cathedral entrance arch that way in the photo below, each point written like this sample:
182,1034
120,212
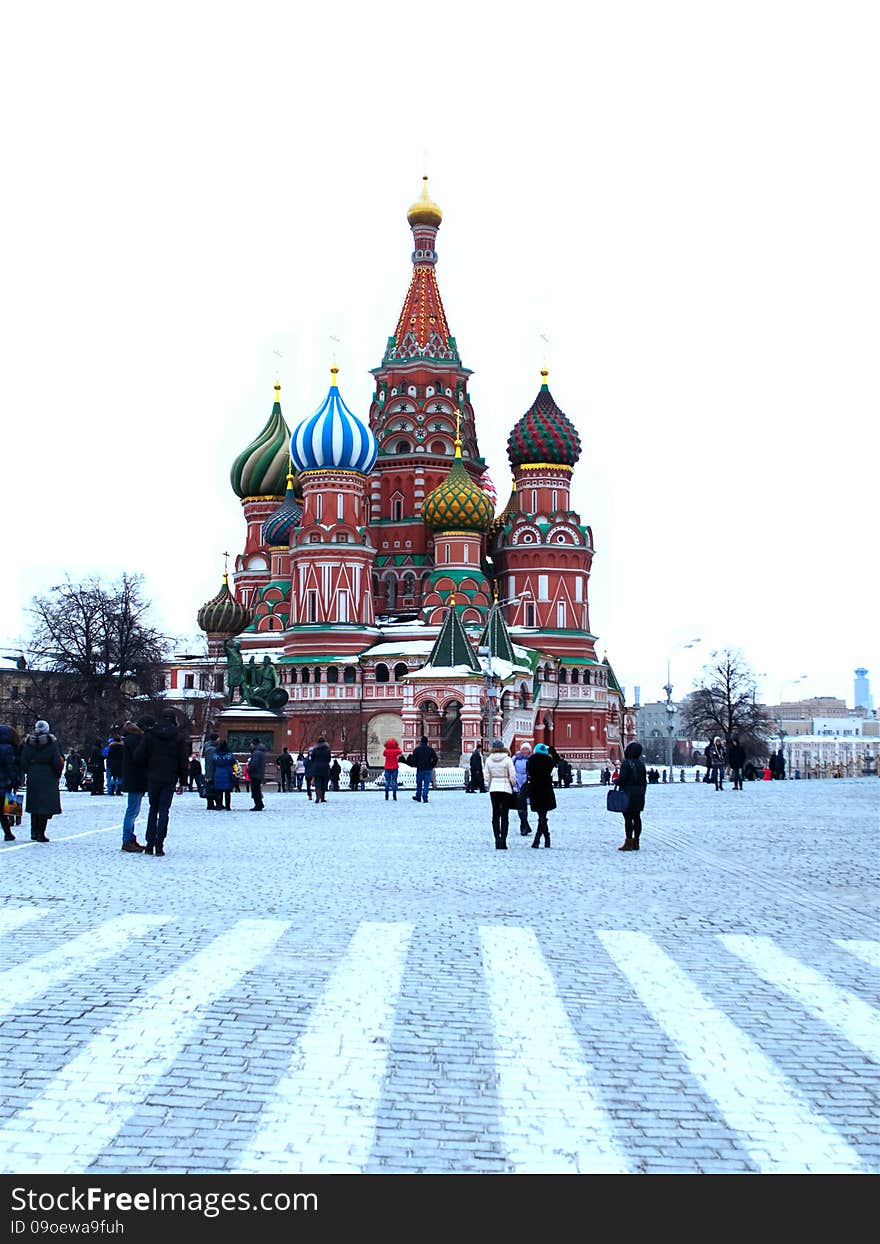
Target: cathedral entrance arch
450,733
380,729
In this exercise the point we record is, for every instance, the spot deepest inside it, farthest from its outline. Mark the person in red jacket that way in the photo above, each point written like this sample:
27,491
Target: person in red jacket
392,764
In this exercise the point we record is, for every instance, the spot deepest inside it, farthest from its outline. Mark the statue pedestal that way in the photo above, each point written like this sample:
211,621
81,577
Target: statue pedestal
242,726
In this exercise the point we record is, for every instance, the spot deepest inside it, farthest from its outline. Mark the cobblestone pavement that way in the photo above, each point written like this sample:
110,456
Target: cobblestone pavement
370,986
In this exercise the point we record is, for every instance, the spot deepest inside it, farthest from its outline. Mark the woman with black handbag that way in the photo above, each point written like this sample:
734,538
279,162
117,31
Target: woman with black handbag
633,780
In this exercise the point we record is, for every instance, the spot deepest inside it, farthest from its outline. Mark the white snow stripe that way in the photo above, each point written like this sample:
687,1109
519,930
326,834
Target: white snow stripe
21,984
323,1116
84,1106
776,1126
839,1009
868,952
14,917
550,1119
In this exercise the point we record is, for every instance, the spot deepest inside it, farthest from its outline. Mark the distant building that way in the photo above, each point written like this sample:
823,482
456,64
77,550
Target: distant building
862,691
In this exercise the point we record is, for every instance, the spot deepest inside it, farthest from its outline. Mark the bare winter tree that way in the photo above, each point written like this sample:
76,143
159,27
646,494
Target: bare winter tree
99,643
724,704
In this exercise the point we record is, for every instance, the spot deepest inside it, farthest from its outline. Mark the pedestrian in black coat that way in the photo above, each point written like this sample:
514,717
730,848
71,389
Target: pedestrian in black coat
256,772
321,757
164,751
539,771
10,775
335,771
423,759
478,781
41,766
134,779
736,758
96,767
634,780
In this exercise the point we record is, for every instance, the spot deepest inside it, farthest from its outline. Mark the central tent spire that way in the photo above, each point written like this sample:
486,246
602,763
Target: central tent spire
422,330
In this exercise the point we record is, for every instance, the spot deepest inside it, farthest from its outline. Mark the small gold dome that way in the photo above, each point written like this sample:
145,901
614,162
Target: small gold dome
424,211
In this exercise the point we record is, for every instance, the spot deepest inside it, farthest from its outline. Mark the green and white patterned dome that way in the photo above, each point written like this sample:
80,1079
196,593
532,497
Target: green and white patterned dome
260,470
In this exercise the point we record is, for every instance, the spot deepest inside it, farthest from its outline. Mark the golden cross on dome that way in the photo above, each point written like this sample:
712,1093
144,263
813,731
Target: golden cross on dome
225,567
458,424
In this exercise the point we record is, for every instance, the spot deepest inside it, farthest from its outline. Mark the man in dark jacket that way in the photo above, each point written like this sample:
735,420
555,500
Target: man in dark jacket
114,765
285,770
736,758
213,803
321,757
134,779
164,753
96,767
257,775
478,781
423,760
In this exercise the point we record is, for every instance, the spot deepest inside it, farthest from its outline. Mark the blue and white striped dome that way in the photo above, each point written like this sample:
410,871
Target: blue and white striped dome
333,437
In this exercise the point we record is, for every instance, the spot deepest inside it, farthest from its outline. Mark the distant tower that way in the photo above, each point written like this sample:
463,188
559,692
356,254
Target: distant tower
862,690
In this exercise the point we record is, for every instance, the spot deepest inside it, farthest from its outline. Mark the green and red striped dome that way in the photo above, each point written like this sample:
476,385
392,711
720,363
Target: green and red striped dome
544,434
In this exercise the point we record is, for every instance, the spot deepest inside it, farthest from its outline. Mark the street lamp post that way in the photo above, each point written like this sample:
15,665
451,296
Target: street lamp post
671,710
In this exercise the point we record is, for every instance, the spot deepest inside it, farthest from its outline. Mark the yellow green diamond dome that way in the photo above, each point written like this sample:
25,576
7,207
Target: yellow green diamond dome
458,504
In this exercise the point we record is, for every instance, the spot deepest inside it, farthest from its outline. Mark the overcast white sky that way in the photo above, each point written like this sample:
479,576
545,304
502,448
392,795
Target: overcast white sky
683,198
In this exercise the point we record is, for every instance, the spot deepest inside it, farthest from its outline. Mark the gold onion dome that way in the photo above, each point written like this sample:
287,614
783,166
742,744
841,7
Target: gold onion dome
260,470
458,504
224,615
424,211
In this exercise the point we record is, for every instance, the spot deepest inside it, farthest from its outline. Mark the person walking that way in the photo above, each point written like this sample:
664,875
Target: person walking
114,765
308,772
224,763
96,767
134,779
520,762
41,766
736,758
499,777
633,779
10,776
354,775
256,774
423,759
212,803
299,770
74,768
321,758
779,768
475,766
194,774
715,756
391,755
539,772
285,770
335,773
163,751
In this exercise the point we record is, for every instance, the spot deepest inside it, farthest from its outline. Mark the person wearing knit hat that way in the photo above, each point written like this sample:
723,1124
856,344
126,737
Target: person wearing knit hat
500,778
539,770
41,765
520,760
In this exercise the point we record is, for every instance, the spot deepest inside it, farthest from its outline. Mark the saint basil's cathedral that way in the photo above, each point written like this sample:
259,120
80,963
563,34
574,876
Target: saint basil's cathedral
390,598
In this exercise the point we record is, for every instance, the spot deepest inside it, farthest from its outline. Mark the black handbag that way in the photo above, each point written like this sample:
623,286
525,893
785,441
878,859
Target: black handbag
617,800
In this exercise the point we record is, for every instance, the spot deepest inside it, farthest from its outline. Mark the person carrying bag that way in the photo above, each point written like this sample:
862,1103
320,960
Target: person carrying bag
631,784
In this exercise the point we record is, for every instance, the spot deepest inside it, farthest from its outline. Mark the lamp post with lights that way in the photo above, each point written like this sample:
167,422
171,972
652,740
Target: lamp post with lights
671,710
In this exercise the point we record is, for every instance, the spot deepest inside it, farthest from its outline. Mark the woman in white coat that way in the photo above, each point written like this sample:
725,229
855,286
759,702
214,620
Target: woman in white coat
500,776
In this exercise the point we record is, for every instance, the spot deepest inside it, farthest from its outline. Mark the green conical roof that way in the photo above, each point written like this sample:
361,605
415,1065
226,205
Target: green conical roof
496,637
452,646
260,470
